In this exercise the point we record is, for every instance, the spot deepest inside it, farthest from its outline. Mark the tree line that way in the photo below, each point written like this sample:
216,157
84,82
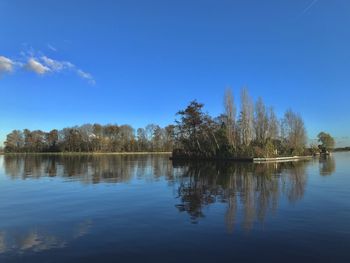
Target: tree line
342,149
252,131
93,138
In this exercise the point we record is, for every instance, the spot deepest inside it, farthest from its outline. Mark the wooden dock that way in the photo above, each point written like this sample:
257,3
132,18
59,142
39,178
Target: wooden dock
282,159
245,159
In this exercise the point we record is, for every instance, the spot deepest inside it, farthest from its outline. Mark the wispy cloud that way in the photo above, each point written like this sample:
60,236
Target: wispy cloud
6,65
58,66
55,65
42,65
52,48
86,76
312,3
35,66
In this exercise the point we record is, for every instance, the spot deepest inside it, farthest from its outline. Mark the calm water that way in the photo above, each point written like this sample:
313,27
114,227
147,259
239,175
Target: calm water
145,208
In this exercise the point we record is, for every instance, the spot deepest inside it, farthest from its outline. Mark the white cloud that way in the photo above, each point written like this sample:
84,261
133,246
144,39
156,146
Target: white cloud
86,76
69,65
54,65
58,66
6,65
52,48
41,65
307,8
36,66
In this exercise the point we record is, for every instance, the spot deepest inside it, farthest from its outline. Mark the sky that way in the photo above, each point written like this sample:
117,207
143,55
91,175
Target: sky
66,63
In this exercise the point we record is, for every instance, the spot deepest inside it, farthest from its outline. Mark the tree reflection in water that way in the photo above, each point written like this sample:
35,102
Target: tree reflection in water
250,190
327,165
87,168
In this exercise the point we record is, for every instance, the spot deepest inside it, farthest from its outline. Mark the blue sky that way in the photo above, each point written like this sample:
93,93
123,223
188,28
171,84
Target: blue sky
139,62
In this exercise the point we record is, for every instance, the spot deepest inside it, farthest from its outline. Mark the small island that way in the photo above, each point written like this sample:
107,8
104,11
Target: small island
254,133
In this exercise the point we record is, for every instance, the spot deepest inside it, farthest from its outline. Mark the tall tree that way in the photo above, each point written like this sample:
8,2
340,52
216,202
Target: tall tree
39,143
273,125
189,125
260,121
157,138
52,140
127,137
97,139
169,137
294,132
326,140
246,118
142,140
150,130
14,141
230,113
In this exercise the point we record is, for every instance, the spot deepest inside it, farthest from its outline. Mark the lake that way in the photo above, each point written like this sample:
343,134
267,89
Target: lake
133,208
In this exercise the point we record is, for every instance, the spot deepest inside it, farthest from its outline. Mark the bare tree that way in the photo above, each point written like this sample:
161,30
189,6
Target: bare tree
230,112
273,127
169,137
294,132
142,140
246,118
260,121
127,138
14,141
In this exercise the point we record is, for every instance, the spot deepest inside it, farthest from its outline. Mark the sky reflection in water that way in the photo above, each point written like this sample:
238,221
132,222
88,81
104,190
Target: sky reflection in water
72,208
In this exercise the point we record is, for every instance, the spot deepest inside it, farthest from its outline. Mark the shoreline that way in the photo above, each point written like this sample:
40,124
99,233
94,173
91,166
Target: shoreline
88,153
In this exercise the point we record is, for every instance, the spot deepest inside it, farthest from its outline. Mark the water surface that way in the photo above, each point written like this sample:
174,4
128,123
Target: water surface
112,208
